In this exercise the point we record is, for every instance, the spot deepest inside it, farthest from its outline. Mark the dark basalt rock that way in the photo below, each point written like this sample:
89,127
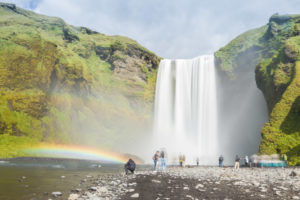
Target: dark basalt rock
8,6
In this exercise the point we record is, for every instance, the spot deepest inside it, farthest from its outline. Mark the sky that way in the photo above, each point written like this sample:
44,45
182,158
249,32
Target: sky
169,28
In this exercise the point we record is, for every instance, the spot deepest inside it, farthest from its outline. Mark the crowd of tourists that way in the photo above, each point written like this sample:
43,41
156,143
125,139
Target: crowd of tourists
160,157
255,162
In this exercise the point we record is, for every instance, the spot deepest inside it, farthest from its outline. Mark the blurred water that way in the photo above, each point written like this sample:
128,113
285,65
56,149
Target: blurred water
186,109
44,176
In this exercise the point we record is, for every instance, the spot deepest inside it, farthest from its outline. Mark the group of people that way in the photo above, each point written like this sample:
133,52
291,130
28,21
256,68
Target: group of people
237,161
248,163
159,159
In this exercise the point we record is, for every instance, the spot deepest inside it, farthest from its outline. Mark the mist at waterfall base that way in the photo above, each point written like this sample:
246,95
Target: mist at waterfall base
201,117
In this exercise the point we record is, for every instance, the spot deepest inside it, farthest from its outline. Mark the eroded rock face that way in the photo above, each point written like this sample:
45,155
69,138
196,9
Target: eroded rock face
8,6
129,62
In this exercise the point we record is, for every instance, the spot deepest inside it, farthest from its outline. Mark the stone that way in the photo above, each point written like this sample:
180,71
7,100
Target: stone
156,181
283,188
62,177
186,188
255,183
239,183
199,186
56,194
131,190
93,188
295,197
189,196
278,193
103,190
135,195
76,190
293,173
73,197
262,196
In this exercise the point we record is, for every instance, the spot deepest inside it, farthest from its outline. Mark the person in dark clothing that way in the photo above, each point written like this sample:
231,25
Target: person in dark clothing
162,159
155,159
221,159
130,166
180,159
237,162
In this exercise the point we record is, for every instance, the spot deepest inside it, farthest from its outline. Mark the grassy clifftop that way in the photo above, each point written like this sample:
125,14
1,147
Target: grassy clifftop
61,83
274,52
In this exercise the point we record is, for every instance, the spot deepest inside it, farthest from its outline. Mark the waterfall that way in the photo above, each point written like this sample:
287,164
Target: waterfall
186,109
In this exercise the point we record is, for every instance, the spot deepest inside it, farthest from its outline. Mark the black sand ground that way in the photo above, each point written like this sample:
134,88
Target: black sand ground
163,186
198,183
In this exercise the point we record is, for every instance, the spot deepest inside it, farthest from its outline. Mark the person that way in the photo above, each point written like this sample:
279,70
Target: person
130,166
155,159
183,161
180,160
221,159
237,162
162,158
246,161
197,161
285,159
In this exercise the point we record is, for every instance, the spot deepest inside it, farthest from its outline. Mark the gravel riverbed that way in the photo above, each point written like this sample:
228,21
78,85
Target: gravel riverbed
195,183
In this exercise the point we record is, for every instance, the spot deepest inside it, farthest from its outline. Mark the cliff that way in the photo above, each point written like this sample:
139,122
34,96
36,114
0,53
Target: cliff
66,84
273,53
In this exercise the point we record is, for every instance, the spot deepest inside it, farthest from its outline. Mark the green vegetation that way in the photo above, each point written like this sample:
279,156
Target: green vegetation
276,55
60,83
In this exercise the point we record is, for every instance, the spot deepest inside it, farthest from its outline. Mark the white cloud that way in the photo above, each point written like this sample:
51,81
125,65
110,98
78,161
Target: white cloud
172,29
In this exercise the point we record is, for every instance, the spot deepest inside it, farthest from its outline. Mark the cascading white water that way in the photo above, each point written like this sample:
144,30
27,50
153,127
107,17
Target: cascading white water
186,109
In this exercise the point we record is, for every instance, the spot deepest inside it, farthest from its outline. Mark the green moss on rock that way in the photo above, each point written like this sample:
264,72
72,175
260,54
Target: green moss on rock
60,83
277,68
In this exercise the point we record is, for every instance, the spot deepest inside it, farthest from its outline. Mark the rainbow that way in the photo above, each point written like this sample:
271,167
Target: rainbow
74,152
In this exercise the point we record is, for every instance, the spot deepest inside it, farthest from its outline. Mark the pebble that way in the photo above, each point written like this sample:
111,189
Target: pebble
156,181
93,188
278,193
295,197
199,186
293,173
73,197
135,195
56,194
255,183
103,190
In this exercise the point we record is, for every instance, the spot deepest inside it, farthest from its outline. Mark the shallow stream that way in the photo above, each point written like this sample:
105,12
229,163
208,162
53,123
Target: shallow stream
32,179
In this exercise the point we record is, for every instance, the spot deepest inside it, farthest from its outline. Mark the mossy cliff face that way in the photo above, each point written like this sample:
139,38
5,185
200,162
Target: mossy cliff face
65,84
275,51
